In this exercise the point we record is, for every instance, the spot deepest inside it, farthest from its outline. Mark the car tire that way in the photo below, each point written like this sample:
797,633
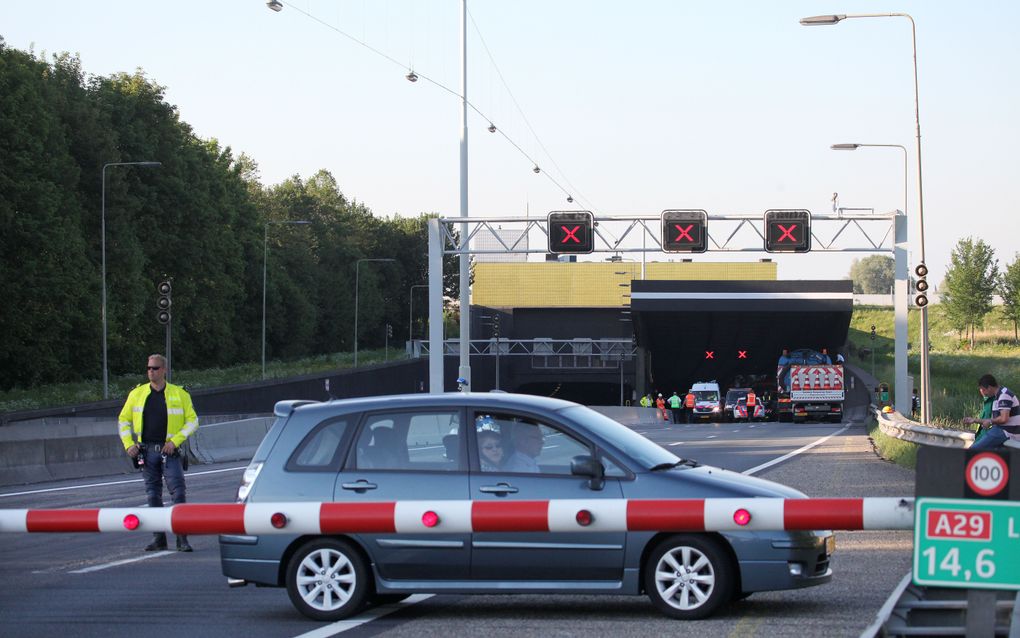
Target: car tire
327,580
689,577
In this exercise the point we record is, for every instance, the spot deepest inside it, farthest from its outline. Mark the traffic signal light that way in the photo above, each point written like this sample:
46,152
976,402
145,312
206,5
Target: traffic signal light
495,325
389,331
684,231
571,232
787,231
922,286
163,302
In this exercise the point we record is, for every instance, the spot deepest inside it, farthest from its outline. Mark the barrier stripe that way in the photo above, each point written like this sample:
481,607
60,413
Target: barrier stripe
62,520
510,516
193,518
465,516
838,513
357,518
654,515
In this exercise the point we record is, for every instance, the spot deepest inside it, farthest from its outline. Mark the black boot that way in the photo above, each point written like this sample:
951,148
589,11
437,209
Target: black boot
158,543
182,543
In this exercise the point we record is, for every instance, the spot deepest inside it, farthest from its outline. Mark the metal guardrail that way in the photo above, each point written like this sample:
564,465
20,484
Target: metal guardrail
898,426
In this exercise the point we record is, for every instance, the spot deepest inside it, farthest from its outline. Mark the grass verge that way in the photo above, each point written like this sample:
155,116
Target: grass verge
902,453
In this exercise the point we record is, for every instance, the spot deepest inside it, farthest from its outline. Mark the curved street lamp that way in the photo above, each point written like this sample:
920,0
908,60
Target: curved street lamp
834,19
102,222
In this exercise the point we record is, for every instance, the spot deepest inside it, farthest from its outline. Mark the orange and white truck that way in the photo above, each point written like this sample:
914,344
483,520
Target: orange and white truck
809,386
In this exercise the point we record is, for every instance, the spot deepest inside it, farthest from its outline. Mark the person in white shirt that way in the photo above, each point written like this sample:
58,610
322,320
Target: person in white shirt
528,442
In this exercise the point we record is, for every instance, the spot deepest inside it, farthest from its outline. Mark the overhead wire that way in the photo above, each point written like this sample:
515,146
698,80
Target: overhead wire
414,75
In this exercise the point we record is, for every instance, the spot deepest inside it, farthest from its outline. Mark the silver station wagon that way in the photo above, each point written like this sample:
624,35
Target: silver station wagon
498,448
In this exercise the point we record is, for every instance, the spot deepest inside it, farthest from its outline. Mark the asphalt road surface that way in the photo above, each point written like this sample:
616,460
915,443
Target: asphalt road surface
105,585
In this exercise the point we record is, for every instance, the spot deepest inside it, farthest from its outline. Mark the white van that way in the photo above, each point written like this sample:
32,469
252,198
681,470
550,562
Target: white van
707,402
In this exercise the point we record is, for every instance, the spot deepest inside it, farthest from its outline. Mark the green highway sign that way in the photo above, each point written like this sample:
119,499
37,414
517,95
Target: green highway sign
968,543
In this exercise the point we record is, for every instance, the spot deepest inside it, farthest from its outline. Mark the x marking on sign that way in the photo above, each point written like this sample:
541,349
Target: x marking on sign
710,354
571,234
741,354
685,233
787,232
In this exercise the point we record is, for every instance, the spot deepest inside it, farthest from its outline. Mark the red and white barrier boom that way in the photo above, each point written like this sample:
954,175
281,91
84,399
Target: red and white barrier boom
608,515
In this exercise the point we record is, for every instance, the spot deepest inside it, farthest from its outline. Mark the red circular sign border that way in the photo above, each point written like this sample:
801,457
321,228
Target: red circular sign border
1005,473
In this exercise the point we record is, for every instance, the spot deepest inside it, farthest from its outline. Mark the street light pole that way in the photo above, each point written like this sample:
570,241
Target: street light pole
357,280
265,261
102,222
834,19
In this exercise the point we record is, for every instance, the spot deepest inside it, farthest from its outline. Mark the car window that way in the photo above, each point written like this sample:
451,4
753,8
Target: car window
519,444
630,444
428,441
319,450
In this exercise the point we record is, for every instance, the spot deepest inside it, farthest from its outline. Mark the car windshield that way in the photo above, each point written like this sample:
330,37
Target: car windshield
706,395
628,442
734,395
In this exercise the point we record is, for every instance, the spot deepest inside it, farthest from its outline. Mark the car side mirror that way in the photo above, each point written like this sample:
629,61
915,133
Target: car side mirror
586,465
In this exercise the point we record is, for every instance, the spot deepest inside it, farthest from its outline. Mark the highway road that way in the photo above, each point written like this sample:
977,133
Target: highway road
104,585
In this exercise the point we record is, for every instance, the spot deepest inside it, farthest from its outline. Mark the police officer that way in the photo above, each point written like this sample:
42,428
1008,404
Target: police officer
156,419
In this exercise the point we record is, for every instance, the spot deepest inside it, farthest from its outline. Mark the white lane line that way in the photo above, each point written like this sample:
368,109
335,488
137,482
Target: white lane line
675,444
138,480
711,436
370,615
759,468
96,568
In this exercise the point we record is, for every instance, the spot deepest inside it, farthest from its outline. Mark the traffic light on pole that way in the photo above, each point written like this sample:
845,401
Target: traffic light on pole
787,231
571,232
495,325
684,231
389,331
921,300
163,302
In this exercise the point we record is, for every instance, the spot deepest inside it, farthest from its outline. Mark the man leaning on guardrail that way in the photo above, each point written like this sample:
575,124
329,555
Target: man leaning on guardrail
1005,420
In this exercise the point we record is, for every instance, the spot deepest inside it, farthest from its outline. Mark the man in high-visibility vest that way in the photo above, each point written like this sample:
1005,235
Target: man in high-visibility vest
751,401
689,405
156,419
675,407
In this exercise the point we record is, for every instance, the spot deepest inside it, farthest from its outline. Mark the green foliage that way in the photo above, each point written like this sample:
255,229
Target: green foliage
903,453
971,281
201,219
874,274
1010,291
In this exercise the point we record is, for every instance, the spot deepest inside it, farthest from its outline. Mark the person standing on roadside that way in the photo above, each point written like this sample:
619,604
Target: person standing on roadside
156,419
675,405
1005,420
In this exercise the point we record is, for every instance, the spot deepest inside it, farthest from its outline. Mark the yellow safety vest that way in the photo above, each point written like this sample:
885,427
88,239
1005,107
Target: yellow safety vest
181,420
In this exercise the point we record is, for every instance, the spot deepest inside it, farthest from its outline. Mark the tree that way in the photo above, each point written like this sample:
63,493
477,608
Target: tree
971,281
873,275
1010,291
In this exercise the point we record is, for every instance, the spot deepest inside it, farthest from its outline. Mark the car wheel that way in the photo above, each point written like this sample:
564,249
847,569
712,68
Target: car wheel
327,580
689,577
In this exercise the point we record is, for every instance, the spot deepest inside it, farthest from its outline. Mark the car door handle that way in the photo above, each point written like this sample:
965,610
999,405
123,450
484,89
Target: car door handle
502,488
359,486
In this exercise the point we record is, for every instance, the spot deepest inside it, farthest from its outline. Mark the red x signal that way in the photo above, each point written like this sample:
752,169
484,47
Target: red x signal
570,233
741,354
685,233
710,354
787,232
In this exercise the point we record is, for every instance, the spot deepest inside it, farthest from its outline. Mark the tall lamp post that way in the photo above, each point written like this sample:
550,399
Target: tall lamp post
265,262
410,310
102,217
357,280
835,19
900,297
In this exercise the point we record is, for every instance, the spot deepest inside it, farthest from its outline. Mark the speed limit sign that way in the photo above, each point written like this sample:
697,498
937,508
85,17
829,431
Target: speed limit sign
987,474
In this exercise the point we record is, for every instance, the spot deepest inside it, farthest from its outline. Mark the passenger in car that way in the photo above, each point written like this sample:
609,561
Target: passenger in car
528,442
490,451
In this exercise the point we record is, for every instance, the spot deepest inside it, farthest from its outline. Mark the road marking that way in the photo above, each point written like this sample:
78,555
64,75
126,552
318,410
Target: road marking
711,436
755,470
370,615
675,444
116,563
138,480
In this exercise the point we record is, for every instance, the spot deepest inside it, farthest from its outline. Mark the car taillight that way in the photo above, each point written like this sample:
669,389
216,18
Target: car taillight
248,481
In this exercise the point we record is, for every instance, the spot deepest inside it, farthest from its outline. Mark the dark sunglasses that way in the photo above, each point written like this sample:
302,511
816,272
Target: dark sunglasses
155,367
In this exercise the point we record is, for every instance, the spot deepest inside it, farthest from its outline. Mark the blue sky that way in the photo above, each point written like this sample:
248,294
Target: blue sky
724,105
